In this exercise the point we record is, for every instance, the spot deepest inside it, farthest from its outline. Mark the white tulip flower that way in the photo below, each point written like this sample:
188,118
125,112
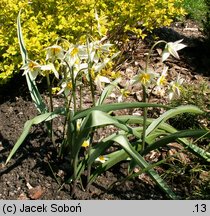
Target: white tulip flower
144,77
55,52
175,87
99,80
171,48
50,67
102,159
33,68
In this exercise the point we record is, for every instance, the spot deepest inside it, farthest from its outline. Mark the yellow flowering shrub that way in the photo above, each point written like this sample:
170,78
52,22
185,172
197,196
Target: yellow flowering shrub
44,22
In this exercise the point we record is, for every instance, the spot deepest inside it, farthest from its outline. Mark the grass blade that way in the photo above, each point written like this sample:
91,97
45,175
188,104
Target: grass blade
179,136
35,95
171,113
29,124
121,155
21,41
107,91
114,107
97,118
182,134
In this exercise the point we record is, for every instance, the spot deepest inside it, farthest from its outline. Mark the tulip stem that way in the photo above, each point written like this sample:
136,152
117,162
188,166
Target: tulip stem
92,87
51,108
150,52
144,118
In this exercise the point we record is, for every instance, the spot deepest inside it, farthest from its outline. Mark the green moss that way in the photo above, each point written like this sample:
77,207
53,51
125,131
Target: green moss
196,9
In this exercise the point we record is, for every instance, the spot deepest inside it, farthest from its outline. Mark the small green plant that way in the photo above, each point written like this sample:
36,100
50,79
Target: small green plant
198,95
79,67
195,9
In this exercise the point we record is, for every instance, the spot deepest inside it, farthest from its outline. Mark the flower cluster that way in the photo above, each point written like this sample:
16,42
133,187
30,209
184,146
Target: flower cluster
148,77
74,65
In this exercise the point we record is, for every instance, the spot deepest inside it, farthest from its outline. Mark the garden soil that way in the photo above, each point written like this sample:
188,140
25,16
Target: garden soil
35,171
